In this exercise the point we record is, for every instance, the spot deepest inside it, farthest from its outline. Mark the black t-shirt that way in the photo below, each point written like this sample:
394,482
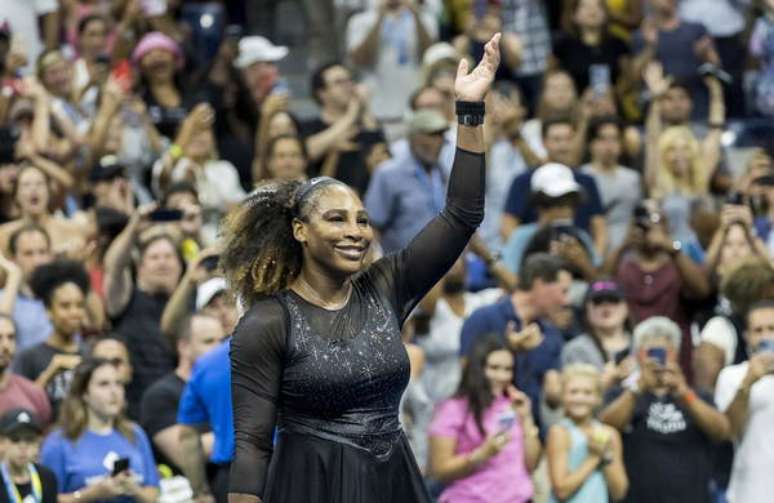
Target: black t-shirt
158,410
668,458
351,168
152,357
47,483
34,360
576,57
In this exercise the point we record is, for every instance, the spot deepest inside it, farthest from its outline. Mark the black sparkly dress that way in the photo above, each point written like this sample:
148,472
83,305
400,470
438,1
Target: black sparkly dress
331,381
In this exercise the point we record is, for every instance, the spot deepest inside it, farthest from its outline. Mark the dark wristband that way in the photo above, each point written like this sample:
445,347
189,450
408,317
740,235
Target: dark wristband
470,113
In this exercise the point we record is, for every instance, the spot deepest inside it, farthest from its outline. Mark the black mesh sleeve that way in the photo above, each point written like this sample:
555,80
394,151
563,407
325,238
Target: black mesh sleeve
257,352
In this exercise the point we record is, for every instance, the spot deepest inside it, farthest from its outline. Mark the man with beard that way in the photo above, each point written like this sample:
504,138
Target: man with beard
136,307
18,392
656,275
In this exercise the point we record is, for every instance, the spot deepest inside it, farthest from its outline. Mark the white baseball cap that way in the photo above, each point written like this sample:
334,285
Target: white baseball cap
439,52
554,180
256,49
208,290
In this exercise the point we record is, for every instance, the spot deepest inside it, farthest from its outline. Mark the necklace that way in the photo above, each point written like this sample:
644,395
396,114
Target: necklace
308,293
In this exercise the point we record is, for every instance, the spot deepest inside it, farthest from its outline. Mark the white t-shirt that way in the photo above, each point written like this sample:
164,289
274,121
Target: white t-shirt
23,15
395,73
721,333
752,476
442,370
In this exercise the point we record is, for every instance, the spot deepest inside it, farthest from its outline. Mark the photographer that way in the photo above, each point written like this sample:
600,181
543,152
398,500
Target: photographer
657,274
668,429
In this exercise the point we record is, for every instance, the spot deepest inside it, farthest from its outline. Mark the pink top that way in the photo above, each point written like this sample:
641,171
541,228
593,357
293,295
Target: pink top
504,478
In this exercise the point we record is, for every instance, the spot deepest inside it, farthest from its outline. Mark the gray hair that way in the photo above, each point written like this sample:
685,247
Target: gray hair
657,327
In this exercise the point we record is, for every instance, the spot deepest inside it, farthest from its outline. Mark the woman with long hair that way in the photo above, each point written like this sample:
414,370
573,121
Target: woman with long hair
318,353
607,341
483,440
96,453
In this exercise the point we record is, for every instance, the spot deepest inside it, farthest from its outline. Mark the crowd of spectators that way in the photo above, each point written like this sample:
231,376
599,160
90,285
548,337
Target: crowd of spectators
607,336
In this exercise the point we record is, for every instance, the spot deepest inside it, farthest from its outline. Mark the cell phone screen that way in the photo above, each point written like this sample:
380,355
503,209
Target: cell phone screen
658,354
120,465
165,215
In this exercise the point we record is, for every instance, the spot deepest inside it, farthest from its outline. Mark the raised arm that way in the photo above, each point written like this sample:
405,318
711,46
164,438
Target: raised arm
433,251
257,350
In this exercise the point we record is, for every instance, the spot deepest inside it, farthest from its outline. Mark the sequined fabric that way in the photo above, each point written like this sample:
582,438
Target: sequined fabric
346,372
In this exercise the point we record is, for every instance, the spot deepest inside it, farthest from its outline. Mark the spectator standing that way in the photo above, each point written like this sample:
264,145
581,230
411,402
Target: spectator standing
30,247
762,48
18,392
745,392
585,458
619,187
198,334
27,17
483,441
93,435
206,400
20,474
339,140
387,42
668,429
606,344
62,286
399,210
136,305
523,320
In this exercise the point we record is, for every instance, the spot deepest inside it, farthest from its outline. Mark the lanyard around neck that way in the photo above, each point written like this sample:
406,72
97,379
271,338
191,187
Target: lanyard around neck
13,491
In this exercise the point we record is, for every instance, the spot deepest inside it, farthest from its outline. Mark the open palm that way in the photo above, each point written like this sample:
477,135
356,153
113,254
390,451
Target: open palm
473,86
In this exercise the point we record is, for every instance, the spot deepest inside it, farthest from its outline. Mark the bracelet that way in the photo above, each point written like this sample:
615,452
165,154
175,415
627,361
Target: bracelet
470,113
176,151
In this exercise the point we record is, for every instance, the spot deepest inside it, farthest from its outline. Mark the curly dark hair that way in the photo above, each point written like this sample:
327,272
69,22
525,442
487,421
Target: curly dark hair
260,255
47,278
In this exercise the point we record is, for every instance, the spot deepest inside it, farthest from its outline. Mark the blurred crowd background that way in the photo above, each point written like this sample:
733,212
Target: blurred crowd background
608,335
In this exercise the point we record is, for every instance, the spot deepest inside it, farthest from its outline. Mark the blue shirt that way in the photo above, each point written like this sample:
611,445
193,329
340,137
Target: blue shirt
32,323
207,399
531,367
87,460
518,201
402,198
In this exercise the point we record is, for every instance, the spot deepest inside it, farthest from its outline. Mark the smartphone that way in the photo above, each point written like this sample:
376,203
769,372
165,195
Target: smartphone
658,354
765,346
599,80
122,74
210,263
505,422
165,215
735,198
121,465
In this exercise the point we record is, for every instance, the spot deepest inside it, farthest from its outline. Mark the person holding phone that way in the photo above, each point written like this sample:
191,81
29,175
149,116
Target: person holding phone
96,453
585,460
745,392
483,441
669,430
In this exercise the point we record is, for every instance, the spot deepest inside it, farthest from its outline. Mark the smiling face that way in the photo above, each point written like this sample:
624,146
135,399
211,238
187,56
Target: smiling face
590,14
68,309
160,267
93,38
286,160
499,370
105,394
580,396
335,232
158,64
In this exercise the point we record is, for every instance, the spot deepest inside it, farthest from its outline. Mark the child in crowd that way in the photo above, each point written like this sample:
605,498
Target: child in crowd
584,456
